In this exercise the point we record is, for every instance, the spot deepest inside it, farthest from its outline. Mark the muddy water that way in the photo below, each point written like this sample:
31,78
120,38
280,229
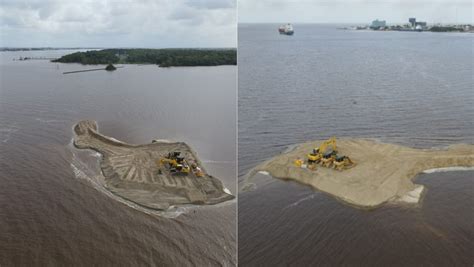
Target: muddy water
412,89
292,224
53,213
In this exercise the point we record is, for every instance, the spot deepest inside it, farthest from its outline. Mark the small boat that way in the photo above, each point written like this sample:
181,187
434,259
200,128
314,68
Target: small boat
286,29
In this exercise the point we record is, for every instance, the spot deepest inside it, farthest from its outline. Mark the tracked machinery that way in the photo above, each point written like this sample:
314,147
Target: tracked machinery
322,153
342,162
197,170
326,155
175,163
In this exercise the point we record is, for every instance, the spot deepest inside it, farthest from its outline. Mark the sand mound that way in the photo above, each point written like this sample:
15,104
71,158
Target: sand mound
132,172
383,172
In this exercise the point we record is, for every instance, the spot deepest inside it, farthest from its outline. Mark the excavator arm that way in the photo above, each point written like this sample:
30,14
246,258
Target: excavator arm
331,142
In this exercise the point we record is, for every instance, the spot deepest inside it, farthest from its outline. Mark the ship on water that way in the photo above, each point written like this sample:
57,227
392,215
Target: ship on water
286,29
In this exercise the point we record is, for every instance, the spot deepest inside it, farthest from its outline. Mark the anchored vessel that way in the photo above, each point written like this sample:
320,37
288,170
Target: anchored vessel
286,29
156,175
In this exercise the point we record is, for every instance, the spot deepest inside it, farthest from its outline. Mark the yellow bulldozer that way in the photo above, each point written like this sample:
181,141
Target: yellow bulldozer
342,163
175,163
326,155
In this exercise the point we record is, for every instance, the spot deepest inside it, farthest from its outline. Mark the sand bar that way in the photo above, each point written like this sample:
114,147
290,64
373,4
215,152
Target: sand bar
133,172
383,173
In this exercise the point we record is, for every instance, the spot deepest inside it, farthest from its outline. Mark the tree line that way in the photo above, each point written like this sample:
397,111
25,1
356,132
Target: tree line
445,29
162,57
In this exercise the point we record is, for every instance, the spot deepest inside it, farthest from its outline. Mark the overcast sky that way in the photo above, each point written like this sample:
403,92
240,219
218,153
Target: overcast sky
355,11
118,23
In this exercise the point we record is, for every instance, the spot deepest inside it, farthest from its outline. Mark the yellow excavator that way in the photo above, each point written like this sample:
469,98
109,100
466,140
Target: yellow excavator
175,163
325,149
326,155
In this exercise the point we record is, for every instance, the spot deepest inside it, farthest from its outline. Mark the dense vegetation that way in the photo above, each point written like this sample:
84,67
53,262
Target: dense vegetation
162,57
445,29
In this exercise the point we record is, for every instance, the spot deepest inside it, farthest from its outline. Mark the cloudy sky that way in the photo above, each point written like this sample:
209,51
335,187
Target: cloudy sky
355,11
118,23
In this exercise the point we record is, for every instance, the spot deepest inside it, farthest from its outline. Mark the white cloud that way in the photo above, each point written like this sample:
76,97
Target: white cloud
334,11
211,4
114,23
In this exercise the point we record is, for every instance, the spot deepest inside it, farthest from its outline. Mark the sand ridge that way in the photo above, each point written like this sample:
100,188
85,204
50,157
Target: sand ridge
383,173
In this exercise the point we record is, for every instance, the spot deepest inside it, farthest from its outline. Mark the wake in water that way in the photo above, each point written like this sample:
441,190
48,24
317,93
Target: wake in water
7,132
49,121
218,161
449,169
294,204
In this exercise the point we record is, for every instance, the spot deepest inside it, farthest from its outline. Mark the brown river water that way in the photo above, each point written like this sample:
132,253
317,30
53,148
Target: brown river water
407,88
51,210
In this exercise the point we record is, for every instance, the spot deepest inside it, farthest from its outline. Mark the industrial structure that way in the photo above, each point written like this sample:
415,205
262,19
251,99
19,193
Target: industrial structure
417,25
377,24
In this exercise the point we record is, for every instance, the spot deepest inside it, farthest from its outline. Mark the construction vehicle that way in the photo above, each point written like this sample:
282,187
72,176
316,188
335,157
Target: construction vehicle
196,170
327,159
326,155
343,163
328,146
318,153
298,162
175,163
171,159
314,157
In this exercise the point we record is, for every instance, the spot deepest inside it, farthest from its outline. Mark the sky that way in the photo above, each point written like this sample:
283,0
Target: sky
118,23
355,11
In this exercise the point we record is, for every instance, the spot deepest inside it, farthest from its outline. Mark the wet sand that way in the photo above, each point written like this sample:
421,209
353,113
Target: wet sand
383,173
134,173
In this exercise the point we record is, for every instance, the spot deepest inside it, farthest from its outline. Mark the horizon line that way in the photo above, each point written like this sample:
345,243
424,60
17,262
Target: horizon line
117,47
431,23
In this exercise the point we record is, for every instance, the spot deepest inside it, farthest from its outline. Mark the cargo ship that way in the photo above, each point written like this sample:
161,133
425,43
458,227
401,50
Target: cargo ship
286,29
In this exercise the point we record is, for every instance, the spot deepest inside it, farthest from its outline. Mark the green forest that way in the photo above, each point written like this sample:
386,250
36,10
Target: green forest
445,29
162,57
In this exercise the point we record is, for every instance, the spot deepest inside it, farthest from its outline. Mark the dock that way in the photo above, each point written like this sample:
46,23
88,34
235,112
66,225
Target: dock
77,71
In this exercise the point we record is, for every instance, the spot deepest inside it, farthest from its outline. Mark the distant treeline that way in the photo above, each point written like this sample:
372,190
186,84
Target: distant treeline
42,48
162,57
445,29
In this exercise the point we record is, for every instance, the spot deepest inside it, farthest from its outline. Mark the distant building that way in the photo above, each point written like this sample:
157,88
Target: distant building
377,24
420,23
412,21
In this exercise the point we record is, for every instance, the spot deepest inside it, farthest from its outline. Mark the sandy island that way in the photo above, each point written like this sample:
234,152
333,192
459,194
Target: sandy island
132,171
383,173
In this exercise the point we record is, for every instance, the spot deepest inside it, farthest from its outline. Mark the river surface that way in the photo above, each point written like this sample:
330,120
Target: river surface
408,88
52,211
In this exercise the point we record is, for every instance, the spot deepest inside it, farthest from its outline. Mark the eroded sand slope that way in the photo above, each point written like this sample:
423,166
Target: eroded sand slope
383,172
132,172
